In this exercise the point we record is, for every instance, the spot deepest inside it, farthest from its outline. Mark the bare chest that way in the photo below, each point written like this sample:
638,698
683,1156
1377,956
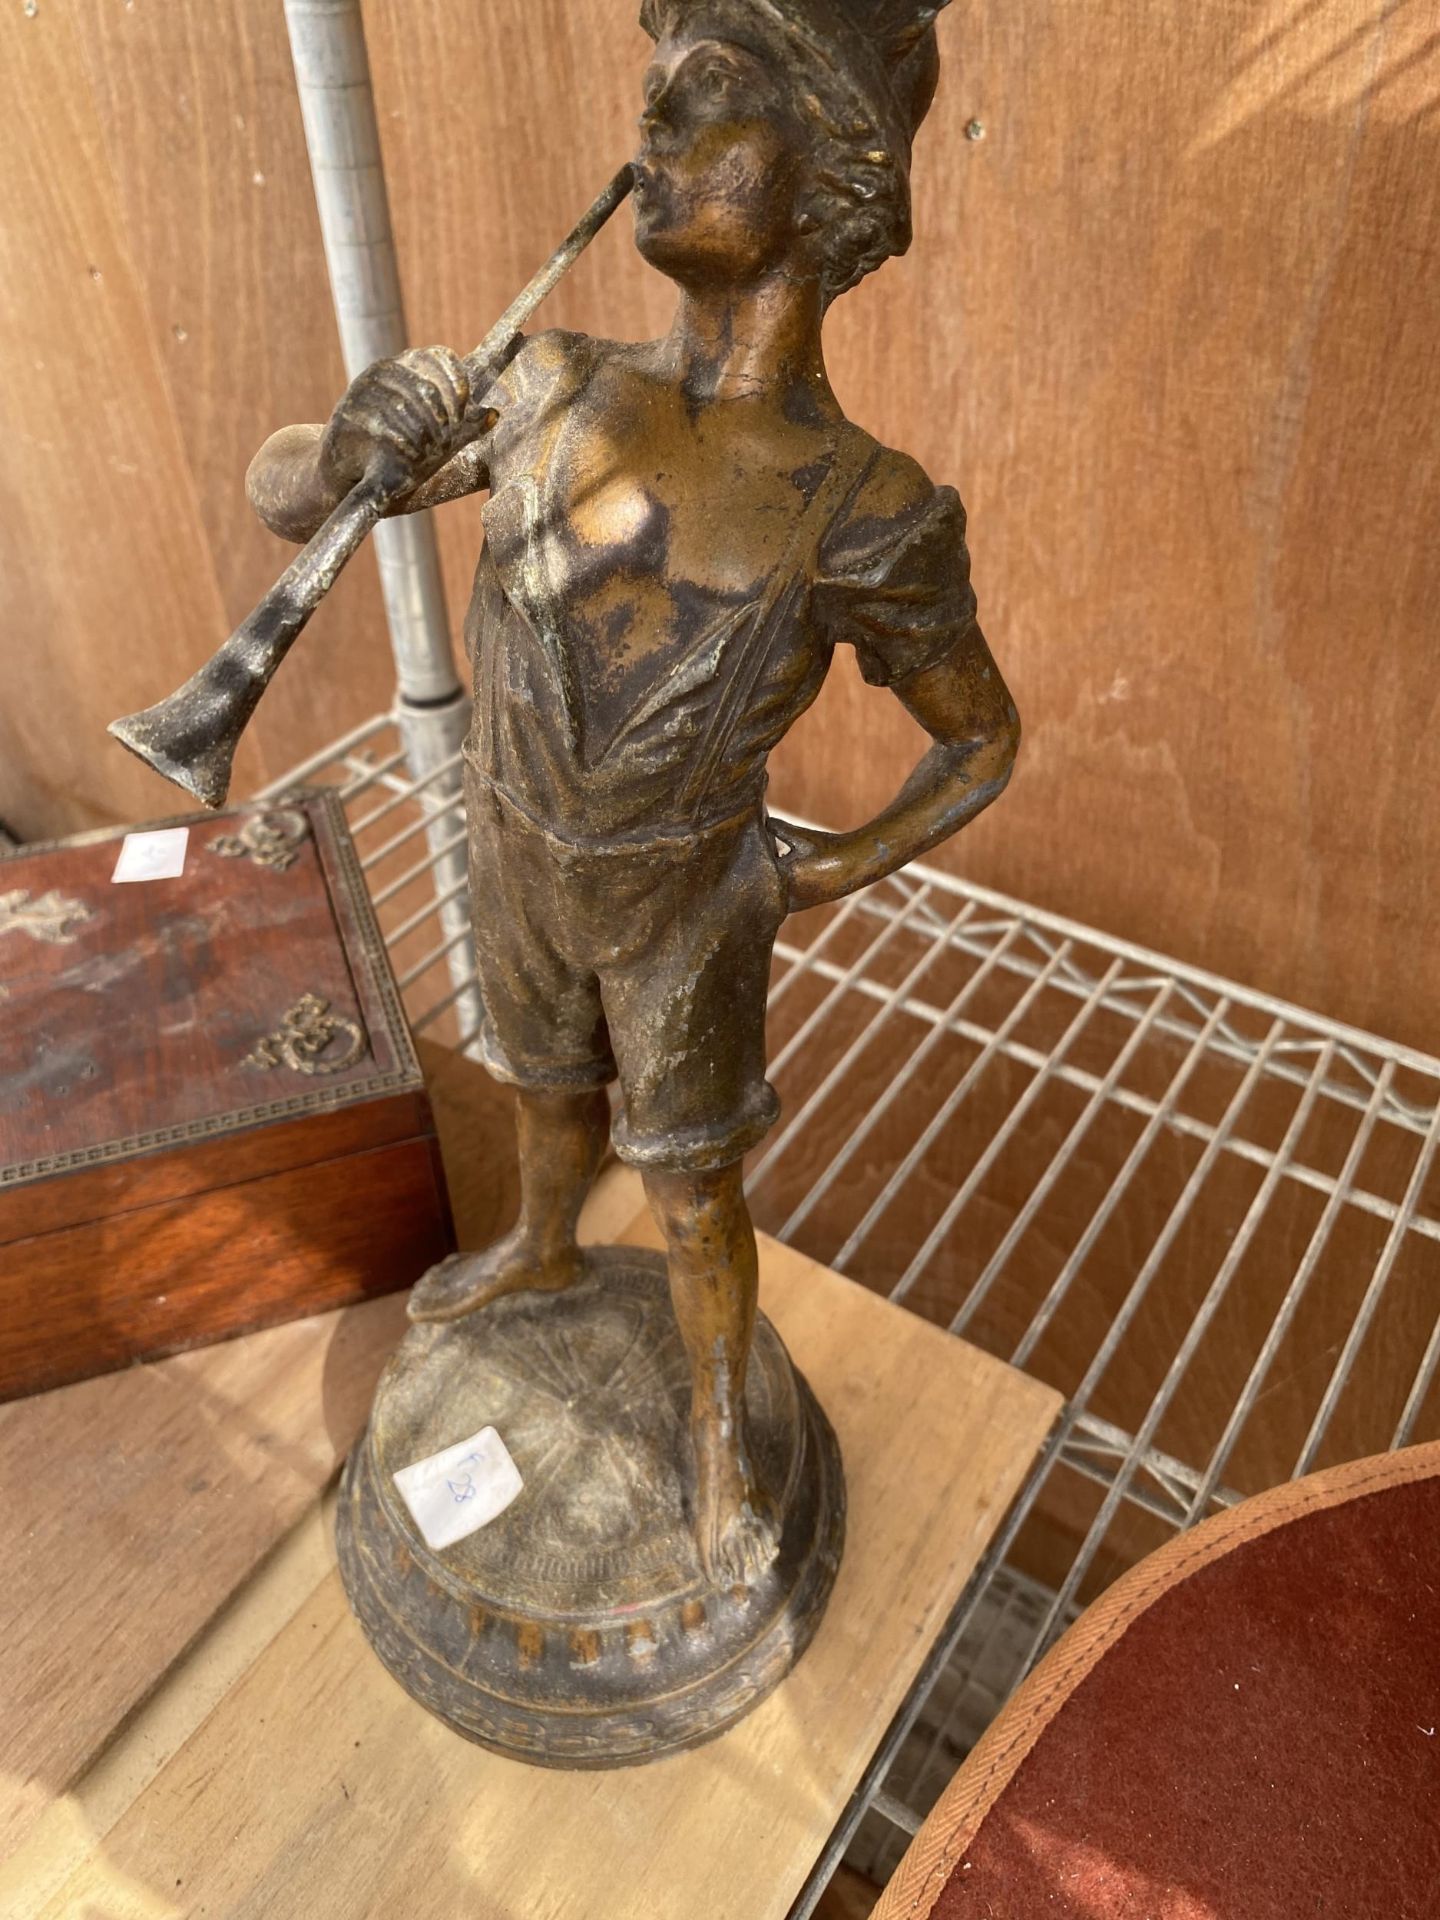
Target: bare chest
646,522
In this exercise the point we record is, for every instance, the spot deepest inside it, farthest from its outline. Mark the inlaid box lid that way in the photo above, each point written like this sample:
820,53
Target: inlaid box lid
249,988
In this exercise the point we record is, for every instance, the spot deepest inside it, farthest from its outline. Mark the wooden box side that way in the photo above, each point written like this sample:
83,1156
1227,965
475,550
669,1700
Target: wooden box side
120,1184
249,1180
157,1279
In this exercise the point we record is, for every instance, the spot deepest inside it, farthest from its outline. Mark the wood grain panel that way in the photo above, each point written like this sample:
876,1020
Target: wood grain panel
89,483
163,306
1165,327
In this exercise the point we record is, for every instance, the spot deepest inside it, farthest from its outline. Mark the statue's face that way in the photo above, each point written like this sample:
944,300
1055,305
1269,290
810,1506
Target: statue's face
720,166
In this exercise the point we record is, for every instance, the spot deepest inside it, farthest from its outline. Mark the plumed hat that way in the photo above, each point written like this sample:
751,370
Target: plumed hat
866,69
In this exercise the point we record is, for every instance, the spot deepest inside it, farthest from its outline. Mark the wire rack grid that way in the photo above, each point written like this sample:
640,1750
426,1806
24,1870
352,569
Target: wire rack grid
1209,1218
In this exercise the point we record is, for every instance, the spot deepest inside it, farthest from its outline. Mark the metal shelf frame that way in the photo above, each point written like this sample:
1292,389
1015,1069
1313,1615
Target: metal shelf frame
1002,1031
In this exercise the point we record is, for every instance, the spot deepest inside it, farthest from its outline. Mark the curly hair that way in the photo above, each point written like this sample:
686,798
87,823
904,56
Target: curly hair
859,200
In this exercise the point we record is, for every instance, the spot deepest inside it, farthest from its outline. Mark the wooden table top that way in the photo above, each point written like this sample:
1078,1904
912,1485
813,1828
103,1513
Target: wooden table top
195,1724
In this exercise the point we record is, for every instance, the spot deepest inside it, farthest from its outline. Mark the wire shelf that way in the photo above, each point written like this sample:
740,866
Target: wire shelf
1209,1218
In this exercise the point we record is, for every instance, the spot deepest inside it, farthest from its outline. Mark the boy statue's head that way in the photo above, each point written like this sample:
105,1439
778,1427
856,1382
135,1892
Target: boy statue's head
776,136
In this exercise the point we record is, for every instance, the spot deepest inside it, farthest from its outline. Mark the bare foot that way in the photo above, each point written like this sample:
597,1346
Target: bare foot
465,1282
735,1526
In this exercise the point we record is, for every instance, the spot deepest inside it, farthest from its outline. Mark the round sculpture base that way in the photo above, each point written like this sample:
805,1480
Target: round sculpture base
577,1629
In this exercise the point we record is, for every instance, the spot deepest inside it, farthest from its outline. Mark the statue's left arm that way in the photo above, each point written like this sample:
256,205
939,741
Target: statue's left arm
894,582
965,706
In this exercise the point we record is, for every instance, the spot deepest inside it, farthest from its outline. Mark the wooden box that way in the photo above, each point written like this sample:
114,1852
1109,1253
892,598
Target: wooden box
211,1114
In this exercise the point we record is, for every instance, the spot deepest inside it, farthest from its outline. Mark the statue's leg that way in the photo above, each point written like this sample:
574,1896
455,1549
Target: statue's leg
562,1140
714,1283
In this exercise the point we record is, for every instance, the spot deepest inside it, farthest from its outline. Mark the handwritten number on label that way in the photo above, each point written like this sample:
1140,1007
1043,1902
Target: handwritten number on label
460,1488
464,1489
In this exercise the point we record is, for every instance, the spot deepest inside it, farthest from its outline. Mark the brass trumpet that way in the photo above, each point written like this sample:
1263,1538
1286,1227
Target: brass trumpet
191,737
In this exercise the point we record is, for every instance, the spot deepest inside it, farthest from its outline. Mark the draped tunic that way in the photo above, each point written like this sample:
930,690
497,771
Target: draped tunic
597,740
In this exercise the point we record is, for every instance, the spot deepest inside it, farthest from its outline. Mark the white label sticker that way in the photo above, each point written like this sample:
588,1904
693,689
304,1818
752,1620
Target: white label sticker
457,1492
157,855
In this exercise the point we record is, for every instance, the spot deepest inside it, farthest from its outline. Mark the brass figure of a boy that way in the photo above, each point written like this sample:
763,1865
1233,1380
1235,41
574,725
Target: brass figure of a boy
678,534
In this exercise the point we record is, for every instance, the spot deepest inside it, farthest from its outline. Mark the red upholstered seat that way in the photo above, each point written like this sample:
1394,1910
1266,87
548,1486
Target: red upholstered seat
1245,1727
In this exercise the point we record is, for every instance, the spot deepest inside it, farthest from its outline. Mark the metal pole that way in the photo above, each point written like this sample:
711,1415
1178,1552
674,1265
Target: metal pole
337,105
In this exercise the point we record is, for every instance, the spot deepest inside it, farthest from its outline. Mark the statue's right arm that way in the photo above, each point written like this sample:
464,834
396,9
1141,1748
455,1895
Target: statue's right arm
416,408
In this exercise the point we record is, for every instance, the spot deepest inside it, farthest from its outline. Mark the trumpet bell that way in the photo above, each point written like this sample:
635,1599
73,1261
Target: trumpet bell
186,740
190,738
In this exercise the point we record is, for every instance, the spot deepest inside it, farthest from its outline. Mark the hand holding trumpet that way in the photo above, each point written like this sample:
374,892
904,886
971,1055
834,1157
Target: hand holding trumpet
399,422
413,410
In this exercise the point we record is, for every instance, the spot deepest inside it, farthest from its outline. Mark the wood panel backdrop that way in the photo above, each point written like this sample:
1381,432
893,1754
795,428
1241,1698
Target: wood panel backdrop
1169,324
